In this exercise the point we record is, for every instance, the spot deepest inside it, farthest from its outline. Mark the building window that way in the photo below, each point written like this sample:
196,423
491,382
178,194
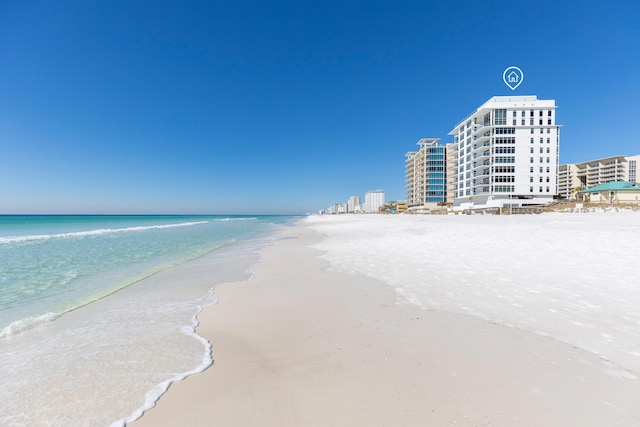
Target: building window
530,189
548,160
548,148
505,159
548,169
541,150
504,178
514,122
541,159
500,117
503,188
530,159
540,189
522,122
532,140
548,140
531,113
505,131
531,130
540,179
530,179
540,169
505,150
547,179
547,189
531,150
531,121
541,130
515,114
549,113
504,169
522,113
540,122
505,140
531,169
549,122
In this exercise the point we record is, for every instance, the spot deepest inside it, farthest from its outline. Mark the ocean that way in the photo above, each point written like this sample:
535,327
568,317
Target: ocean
97,312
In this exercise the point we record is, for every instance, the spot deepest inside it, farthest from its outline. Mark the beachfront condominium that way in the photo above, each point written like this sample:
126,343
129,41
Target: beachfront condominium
425,174
451,167
353,204
373,200
580,176
505,154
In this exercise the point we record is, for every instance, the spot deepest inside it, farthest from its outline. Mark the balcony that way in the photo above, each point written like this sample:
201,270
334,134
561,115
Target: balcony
482,166
481,146
482,128
482,155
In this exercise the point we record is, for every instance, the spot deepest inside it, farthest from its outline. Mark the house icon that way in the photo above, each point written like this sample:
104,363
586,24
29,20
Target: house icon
513,77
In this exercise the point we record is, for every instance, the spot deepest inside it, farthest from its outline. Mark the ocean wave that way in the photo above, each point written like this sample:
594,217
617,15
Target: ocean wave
28,323
97,232
235,219
152,396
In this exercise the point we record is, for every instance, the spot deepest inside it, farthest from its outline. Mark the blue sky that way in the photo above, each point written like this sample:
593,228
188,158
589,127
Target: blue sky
284,106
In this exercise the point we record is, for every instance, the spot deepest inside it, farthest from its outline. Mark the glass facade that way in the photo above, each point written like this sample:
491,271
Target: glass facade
435,189
426,173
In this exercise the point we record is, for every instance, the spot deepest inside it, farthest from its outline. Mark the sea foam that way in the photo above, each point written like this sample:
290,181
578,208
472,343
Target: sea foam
152,396
27,323
97,232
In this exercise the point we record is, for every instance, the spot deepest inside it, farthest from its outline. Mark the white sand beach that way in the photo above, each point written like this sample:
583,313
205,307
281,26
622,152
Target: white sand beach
426,321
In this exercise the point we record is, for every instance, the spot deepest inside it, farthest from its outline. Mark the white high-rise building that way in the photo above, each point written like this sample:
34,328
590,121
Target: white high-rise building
353,204
373,200
506,154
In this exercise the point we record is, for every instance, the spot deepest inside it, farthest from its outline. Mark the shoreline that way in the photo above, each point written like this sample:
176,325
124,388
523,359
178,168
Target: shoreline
104,362
302,344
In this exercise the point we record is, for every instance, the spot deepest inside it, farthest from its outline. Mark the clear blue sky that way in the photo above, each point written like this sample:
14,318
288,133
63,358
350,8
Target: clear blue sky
275,106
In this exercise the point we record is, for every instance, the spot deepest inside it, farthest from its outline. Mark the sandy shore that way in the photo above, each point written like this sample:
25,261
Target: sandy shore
301,345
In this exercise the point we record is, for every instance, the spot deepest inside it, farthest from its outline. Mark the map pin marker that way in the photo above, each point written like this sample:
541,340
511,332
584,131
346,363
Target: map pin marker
513,77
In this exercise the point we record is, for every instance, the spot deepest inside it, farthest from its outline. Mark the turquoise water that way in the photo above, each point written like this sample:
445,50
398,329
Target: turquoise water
73,304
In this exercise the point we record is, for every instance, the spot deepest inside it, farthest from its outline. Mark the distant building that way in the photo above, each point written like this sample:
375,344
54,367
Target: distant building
373,200
353,204
335,209
568,182
595,172
425,174
506,154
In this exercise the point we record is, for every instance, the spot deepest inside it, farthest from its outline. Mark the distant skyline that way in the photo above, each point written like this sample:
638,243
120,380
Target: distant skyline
285,107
